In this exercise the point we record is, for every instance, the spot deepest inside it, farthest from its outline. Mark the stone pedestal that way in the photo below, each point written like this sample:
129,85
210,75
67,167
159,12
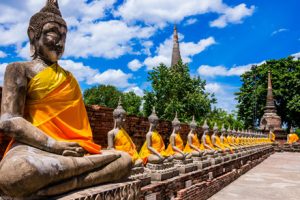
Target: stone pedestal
139,173
201,162
161,172
185,166
115,191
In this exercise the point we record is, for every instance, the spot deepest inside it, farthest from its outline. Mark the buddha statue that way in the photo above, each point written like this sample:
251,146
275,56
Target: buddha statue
292,137
193,145
224,140
206,139
176,146
272,136
153,150
52,150
216,141
118,138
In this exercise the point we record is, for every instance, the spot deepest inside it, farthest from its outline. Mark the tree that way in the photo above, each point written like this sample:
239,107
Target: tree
286,90
174,90
108,96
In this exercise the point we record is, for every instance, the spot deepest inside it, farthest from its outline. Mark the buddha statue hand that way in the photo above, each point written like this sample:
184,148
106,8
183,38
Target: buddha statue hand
68,149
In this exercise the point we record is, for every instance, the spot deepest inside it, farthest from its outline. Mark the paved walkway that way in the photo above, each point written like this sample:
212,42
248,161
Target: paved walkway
276,178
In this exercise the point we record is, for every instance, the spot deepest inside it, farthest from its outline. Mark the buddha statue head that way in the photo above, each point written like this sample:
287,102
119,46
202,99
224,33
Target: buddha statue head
292,130
205,128
233,132
47,33
193,124
153,119
119,114
216,129
229,131
176,123
223,130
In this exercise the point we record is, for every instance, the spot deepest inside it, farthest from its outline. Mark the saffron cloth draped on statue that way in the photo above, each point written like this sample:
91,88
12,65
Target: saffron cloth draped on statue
178,144
195,142
123,142
157,143
54,104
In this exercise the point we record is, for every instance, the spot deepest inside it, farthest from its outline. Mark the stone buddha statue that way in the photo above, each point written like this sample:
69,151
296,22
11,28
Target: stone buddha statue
193,145
224,140
153,150
206,139
216,141
292,137
52,150
176,146
119,139
272,136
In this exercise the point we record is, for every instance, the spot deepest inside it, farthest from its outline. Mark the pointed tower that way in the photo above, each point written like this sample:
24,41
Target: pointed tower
176,51
270,118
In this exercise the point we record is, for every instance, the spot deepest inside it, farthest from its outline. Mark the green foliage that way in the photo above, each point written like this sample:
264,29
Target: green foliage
174,90
286,90
108,96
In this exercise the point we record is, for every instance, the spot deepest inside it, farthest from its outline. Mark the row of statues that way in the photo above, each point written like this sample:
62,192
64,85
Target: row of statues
154,151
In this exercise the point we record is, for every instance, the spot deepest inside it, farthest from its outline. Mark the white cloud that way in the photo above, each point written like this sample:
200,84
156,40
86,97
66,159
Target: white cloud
159,12
190,21
90,33
224,95
138,91
233,15
135,65
2,54
296,56
187,49
92,76
212,71
2,71
279,31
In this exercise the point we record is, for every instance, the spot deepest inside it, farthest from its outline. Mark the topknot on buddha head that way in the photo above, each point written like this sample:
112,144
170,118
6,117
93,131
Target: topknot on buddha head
153,117
119,111
175,121
49,13
205,127
193,124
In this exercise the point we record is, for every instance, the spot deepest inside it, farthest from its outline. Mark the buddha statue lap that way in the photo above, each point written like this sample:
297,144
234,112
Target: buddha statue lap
52,151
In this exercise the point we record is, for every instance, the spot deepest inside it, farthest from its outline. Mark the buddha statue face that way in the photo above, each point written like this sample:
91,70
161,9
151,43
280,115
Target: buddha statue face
51,43
177,127
120,119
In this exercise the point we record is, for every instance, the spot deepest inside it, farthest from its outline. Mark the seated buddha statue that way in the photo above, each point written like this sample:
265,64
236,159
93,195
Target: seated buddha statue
153,150
216,140
52,150
292,137
118,138
176,146
206,140
272,136
224,140
193,145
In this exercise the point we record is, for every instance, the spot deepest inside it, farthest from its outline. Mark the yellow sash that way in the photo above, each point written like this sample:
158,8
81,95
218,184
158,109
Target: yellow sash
123,142
293,137
195,142
157,143
54,104
178,144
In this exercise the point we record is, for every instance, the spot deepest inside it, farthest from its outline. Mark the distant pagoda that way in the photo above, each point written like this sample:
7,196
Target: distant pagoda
176,51
270,119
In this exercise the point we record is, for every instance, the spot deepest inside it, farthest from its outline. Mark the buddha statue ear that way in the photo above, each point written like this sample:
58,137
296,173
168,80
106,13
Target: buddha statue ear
31,35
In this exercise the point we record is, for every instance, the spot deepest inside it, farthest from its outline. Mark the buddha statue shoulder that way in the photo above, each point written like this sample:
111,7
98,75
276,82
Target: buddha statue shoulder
193,145
52,150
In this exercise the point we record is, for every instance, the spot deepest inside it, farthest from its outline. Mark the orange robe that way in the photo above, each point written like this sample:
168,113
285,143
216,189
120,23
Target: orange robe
208,142
178,144
195,142
54,104
292,138
157,143
123,142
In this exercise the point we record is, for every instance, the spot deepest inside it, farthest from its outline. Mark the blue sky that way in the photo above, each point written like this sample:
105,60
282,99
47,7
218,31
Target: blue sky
118,42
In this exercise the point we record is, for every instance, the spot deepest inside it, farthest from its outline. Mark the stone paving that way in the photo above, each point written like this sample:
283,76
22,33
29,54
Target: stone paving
277,178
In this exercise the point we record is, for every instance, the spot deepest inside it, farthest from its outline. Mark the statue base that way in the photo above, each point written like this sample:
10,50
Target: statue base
161,172
201,162
138,173
185,166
